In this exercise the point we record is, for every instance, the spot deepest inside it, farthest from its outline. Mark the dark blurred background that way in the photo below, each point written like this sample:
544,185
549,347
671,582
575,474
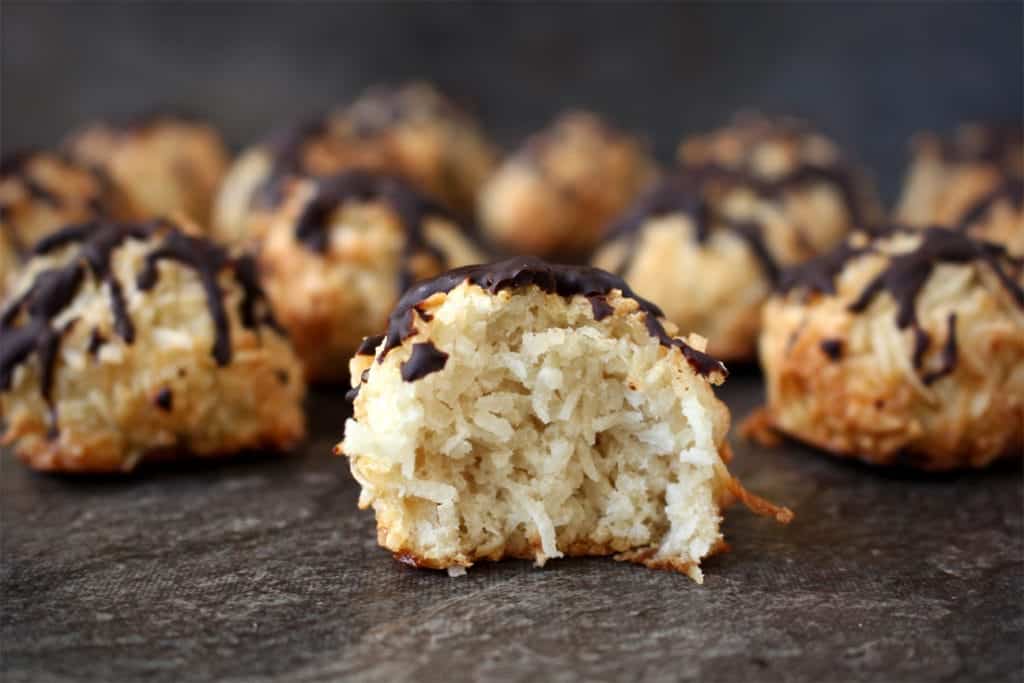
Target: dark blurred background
868,73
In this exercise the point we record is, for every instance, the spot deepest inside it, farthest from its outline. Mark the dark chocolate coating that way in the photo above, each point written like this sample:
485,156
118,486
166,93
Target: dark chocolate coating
833,348
15,165
819,274
207,259
413,208
524,271
53,290
164,400
425,359
286,148
905,276
369,345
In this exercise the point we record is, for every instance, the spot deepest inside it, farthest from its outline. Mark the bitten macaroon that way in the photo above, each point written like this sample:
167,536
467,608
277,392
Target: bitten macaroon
526,410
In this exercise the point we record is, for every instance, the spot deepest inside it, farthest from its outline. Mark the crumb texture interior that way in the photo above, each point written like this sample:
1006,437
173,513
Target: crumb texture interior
546,434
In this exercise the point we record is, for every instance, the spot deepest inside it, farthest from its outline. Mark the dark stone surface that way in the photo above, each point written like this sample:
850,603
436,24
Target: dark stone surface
262,569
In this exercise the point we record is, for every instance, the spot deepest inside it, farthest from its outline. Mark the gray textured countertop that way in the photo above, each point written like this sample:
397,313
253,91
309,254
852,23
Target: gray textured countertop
262,569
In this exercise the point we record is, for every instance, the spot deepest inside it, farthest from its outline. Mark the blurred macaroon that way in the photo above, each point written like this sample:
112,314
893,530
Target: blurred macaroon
42,191
127,342
412,131
707,242
557,194
340,251
972,180
788,162
168,163
902,349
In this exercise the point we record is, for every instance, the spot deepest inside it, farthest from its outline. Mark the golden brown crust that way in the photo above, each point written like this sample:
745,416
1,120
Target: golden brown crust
44,456
758,505
530,550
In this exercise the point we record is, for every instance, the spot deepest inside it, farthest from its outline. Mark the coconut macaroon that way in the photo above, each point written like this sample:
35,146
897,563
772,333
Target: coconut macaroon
708,255
906,349
972,181
412,131
790,163
427,138
257,182
41,192
339,253
557,194
169,164
523,410
124,342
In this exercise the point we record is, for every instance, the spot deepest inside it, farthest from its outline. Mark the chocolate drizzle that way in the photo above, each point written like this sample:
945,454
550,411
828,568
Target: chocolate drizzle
521,272
833,348
905,276
425,359
313,225
16,166
98,242
207,259
819,274
164,400
253,296
1010,190
287,148
26,324
369,345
